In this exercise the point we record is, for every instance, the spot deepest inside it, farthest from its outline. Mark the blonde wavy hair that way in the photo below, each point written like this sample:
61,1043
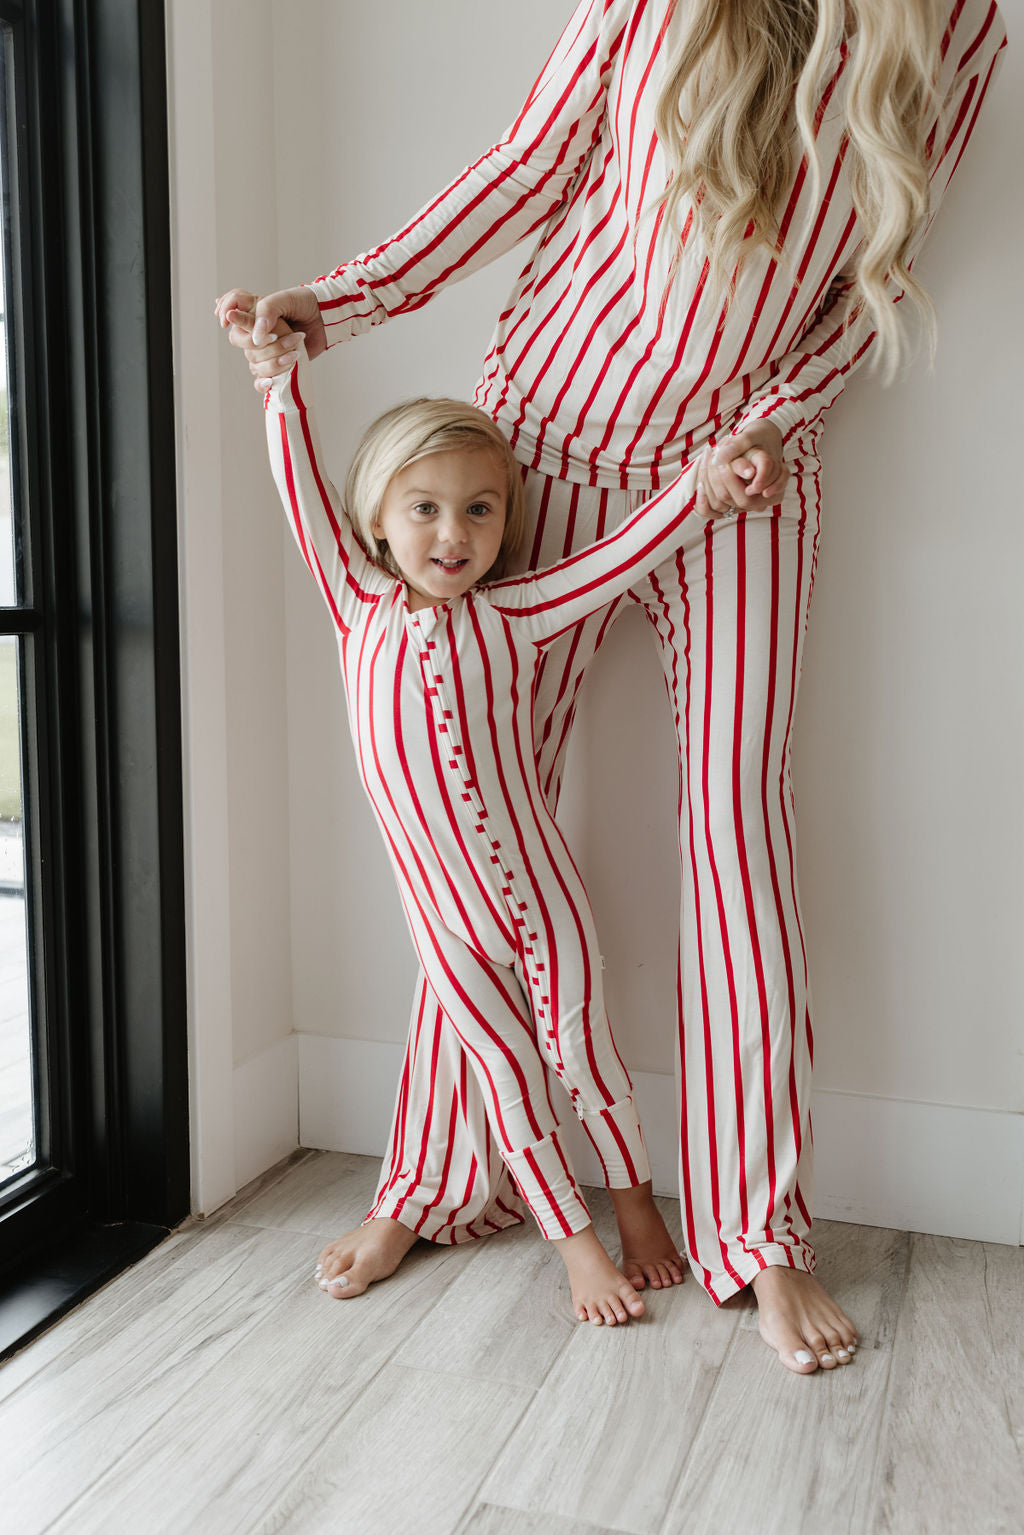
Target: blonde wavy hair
409,432
746,82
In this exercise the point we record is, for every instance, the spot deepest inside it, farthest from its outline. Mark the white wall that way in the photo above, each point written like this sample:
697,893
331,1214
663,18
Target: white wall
907,739
243,1050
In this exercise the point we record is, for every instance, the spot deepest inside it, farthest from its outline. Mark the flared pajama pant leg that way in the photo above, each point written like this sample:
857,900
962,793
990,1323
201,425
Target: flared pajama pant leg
730,614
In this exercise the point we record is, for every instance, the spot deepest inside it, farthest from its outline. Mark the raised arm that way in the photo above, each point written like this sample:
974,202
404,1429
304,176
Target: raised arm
547,602
499,199
346,577
807,380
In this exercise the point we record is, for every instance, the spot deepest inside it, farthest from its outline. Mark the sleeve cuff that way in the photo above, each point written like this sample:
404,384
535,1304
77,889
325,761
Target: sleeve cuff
780,411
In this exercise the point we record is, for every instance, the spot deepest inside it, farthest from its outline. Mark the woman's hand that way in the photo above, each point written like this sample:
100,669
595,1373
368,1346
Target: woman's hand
242,322
260,327
744,473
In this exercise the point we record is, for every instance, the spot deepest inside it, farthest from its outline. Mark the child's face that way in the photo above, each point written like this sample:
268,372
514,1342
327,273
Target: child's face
443,518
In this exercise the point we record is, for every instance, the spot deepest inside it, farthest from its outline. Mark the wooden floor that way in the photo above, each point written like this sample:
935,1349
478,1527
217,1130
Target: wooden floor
215,1388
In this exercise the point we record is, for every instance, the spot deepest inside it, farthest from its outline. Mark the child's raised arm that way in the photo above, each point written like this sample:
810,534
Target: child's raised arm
550,601
340,567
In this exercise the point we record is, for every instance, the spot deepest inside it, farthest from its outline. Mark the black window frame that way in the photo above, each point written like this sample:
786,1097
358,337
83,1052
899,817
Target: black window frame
92,404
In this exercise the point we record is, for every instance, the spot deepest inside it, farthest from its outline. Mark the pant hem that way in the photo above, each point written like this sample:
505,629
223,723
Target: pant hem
723,1286
433,1226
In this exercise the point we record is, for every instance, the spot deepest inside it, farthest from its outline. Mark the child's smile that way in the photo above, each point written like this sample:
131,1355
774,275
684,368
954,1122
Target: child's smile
443,518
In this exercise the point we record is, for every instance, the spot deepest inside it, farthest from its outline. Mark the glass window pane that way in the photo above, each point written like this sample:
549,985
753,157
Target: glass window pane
8,588
17,1114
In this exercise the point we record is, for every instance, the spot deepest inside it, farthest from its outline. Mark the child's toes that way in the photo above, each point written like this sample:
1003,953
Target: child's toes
632,1302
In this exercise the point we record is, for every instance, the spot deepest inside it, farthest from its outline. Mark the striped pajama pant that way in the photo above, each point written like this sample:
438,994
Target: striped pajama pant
729,614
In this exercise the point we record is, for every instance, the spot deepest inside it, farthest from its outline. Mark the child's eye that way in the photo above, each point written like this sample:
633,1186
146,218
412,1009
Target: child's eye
424,509
480,509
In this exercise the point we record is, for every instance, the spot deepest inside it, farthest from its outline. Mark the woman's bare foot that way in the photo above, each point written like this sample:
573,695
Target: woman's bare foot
349,1265
600,1292
801,1321
649,1255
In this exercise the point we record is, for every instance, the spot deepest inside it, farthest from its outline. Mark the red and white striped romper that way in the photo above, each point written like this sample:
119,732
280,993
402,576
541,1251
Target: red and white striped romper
440,704
608,380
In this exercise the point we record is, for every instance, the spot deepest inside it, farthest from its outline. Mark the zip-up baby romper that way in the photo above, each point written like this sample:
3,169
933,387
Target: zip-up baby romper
608,379
440,705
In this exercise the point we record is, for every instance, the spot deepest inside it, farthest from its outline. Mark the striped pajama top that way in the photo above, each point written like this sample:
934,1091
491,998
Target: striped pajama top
595,375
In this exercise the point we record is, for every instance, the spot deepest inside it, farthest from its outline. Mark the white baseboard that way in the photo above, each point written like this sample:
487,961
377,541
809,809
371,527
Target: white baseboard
266,1091
930,1167
935,1167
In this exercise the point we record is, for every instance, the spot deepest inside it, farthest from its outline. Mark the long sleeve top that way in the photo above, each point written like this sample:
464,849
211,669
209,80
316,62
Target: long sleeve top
440,700
600,370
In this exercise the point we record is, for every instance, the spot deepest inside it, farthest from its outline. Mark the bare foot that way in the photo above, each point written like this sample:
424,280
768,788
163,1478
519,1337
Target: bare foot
801,1321
348,1266
600,1292
649,1255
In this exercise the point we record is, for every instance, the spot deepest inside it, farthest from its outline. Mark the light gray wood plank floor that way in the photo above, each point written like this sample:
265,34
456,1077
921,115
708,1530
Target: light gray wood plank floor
214,1389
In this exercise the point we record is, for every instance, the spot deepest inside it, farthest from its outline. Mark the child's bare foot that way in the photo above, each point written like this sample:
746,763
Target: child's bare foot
799,1319
348,1266
600,1293
649,1255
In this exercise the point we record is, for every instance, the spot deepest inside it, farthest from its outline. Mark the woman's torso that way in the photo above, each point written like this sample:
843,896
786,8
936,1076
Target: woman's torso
600,369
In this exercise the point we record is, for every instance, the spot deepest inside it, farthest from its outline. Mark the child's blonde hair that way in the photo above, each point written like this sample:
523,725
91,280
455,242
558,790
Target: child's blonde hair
410,432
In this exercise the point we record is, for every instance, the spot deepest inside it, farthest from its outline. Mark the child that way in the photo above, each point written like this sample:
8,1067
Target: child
439,675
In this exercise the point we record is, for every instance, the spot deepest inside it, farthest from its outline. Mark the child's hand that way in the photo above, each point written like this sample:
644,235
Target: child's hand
262,328
744,473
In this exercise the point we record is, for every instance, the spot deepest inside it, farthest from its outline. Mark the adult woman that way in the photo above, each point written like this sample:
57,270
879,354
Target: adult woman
804,148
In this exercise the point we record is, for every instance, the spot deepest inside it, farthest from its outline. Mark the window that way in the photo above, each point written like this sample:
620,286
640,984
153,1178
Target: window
93,1097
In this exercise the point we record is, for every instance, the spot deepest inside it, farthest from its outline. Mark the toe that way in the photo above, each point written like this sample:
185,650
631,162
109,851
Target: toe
348,1281
818,1345
836,1348
635,1274
633,1304
792,1348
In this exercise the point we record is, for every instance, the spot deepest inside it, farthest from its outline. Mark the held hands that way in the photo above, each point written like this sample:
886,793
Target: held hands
744,473
264,328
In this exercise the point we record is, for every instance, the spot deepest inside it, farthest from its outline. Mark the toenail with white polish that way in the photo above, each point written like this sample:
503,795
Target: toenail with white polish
341,1282
841,1353
803,1357
827,1357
